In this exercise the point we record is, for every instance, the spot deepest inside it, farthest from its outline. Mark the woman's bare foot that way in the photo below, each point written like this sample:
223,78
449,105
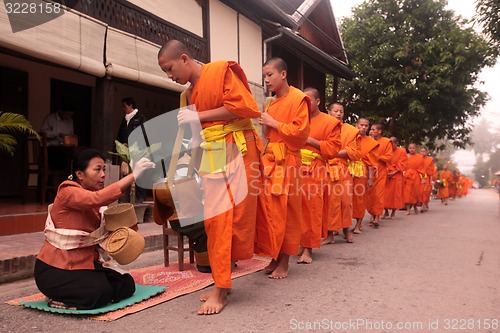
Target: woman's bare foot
216,301
281,270
305,257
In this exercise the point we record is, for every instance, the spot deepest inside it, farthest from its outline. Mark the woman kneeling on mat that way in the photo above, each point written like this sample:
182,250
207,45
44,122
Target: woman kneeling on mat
67,269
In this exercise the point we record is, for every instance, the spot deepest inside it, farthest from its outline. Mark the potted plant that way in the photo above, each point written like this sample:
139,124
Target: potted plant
13,123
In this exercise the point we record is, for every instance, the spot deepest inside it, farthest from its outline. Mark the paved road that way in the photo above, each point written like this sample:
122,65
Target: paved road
434,272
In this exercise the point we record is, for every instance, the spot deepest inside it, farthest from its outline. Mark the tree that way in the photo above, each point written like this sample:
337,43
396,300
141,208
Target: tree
417,67
488,16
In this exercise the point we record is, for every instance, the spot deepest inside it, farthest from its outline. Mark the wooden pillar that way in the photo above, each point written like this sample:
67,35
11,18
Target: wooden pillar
102,137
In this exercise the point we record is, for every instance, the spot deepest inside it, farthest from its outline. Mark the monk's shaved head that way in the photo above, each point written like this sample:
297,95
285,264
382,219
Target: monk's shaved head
173,49
277,63
313,91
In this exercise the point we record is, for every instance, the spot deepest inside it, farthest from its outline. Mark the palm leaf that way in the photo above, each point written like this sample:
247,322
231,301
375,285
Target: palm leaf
13,123
7,143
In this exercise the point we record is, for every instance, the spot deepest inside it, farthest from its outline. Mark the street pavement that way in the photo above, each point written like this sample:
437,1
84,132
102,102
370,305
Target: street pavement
432,272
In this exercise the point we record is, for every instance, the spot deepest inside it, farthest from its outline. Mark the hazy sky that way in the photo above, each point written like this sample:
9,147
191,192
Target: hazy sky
490,76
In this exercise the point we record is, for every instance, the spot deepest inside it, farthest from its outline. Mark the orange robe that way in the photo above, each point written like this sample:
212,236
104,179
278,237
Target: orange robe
445,176
413,179
340,193
393,194
326,130
452,187
369,149
231,233
430,175
280,203
375,195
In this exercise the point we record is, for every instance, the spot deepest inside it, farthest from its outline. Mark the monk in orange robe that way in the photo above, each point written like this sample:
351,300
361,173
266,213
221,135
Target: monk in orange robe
444,177
340,211
322,145
413,178
361,179
222,96
452,187
393,194
429,177
375,194
280,204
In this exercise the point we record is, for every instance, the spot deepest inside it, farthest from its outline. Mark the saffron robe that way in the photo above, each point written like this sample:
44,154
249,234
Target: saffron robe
326,130
340,194
445,177
413,179
393,194
375,195
369,149
430,175
280,202
231,233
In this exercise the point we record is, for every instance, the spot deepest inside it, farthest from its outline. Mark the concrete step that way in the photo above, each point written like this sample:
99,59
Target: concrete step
18,252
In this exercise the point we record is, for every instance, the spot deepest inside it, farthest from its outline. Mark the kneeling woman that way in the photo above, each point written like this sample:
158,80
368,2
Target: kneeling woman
72,274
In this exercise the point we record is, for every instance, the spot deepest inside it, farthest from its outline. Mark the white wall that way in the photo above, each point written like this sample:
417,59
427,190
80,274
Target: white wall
251,49
183,13
223,32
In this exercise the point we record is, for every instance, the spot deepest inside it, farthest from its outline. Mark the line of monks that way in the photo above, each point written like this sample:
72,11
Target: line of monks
308,174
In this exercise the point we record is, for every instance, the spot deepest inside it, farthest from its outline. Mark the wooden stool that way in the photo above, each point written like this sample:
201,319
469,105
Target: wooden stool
168,231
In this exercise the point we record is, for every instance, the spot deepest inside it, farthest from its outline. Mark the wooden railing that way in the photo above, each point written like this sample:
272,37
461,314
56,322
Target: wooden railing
123,15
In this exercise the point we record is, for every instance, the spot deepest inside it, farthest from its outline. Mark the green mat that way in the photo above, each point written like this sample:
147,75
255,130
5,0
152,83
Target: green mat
141,293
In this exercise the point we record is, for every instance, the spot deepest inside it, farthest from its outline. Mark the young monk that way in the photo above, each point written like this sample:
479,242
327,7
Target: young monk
393,193
362,172
375,194
224,106
413,178
340,211
430,175
286,131
322,145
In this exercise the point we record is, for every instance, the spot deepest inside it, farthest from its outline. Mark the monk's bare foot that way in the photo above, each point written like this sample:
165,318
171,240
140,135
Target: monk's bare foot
301,250
328,239
335,233
281,270
348,236
215,302
305,257
376,223
416,210
271,267
356,231
203,297
407,213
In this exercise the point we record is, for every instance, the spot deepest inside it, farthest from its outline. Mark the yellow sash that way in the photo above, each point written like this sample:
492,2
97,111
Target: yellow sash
214,146
308,156
356,168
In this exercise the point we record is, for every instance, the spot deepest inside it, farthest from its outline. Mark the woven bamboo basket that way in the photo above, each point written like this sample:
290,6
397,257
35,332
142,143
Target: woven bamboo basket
121,215
125,245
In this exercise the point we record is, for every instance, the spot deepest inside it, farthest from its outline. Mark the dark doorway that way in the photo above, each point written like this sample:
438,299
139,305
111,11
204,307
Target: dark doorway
14,99
79,99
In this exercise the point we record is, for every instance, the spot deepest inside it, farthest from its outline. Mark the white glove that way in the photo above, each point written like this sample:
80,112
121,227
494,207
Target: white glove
142,165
